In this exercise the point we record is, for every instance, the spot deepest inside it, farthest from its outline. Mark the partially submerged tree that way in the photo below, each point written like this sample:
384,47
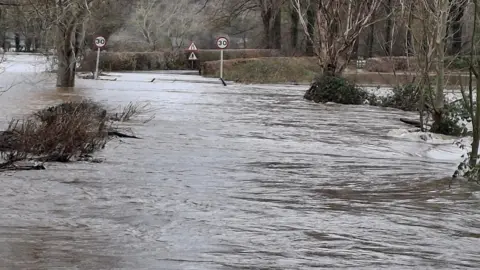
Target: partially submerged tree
70,25
427,29
338,24
471,101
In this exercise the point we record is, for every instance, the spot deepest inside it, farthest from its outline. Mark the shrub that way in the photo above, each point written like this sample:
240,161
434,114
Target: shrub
162,60
58,133
458,63
130,61
338,90
405,97
214,55
390,64
453,121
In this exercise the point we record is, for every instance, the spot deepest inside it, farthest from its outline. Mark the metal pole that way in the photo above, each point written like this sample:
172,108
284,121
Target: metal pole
221,64
98,62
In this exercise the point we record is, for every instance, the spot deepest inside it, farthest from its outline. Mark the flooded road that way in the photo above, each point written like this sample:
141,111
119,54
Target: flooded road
238,177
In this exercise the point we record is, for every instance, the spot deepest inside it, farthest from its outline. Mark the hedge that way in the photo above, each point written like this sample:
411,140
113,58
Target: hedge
163,60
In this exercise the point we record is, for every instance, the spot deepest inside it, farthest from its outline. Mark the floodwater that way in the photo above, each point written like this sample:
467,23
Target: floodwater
237,177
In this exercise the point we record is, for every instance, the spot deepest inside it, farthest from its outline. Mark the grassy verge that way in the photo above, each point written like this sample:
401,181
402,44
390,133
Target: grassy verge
302,70
264,70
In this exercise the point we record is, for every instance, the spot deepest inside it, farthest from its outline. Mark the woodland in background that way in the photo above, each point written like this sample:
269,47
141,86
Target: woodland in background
149,25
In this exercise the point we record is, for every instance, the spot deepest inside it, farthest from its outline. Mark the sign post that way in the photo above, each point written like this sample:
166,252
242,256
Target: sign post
192,57
222,43
100,42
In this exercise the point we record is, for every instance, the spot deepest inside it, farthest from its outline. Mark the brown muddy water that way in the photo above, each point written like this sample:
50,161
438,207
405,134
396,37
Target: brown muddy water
237,177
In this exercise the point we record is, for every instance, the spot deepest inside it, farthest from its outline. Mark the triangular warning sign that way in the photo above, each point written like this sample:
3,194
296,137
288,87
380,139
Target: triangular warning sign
192,57
192,47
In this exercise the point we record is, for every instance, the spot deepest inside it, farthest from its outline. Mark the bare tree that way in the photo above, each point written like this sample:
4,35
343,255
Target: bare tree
429,36
338,24
70,25
271,18
166,23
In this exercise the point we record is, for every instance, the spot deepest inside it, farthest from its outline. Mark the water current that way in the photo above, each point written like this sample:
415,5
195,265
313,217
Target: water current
237,177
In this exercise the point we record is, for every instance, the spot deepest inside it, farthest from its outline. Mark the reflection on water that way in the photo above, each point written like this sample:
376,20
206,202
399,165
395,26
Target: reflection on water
237,177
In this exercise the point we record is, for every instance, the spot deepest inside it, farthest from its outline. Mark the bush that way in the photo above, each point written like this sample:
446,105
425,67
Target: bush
214,55
390,64
405,97
453,121
459,63
131,61
58,133
162,60
338,90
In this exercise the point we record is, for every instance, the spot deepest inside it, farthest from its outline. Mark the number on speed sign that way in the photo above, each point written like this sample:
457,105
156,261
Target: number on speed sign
100,42
222,43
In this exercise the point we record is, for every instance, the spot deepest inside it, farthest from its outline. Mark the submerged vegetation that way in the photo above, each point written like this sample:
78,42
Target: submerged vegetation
62,133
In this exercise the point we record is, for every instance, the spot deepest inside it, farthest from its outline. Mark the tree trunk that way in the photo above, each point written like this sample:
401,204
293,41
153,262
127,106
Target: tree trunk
294,28
458,10
409,31
476,130
67,48
371,38
266,19
28,44
330,69
388,29
355,48
17,42
277,31
310,30
440,58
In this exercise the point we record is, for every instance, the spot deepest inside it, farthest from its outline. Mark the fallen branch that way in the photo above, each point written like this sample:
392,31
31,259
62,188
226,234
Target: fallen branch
11,166
121,135
412,122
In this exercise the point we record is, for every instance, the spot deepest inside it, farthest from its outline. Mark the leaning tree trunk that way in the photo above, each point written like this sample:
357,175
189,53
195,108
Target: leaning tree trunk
310,30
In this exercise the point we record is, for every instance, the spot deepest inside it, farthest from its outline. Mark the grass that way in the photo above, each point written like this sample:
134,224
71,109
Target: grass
302,70
265,70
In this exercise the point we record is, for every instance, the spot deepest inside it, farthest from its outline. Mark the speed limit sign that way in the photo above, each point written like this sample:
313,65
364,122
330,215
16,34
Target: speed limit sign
100,42
222,42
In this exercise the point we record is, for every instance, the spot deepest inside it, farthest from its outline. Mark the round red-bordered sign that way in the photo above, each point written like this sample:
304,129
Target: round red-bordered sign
222,43
100,42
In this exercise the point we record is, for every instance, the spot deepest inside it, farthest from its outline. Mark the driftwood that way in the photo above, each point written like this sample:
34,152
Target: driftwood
121,135
10,166
412,122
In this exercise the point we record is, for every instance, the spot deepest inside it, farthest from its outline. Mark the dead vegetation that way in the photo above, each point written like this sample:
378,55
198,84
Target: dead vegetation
131,110
62,133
